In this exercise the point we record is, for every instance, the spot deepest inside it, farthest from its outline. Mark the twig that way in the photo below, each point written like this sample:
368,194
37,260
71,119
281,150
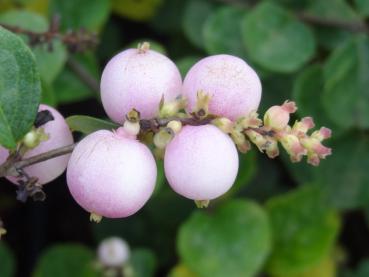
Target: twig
76,41
352,26
11,166
83,75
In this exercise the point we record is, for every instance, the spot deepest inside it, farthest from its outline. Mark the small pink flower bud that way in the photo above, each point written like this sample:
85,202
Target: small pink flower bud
301,127
293,147
243,145
277,117
316,150
252,120
259,140
224,124
322,134
272,149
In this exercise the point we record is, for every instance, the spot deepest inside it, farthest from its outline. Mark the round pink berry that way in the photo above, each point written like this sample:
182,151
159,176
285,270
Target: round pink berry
138,79
234,86
59,136
111,175
201,162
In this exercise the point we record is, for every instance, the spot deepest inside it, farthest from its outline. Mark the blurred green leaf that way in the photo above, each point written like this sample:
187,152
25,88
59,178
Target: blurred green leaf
344,176
233,241
346,93
194,17
143,262
186,63
326,268
49,63
20,89
66,260
169,17
222,32
7,263
181,270
276,89
307,92
160,179
363,8
246,171
142,10
48,95
276,40
69,88
338,10
304,231
88,124
88,14
363,269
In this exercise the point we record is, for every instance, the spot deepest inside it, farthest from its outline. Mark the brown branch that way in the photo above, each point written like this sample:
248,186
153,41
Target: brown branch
352,26
12,166
76,41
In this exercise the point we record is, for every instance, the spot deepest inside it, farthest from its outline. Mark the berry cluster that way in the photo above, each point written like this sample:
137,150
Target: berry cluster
196,125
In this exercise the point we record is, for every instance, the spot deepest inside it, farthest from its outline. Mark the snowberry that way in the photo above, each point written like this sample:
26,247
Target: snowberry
138,78
234,87
113,252
59,135
201,162
111,174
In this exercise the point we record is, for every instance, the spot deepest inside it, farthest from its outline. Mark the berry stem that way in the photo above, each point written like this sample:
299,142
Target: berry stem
13,165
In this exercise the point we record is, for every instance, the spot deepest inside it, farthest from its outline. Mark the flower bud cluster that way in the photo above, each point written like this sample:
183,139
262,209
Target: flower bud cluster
275,128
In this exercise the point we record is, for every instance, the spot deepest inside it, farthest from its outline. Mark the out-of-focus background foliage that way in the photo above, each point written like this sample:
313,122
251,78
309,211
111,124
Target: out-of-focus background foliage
280,219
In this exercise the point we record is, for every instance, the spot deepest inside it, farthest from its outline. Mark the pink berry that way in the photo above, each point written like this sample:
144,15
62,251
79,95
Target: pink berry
59,136
201,162
111,174
138,79
234,86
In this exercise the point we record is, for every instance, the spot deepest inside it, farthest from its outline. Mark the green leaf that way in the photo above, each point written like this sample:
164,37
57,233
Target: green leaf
222,32
88,14
88,124
276,40
20,89
66,260
346,91
336,10
307,92
7,268
233,241
246,172
344,176
143,262
48,95
194,17
304,231
49,63
141,10
69,88
363,269
169,16
362,6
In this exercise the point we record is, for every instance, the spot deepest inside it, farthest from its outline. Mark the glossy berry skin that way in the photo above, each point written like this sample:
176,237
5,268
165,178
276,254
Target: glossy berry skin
59,136
201,162
234,86
111,175
138,79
